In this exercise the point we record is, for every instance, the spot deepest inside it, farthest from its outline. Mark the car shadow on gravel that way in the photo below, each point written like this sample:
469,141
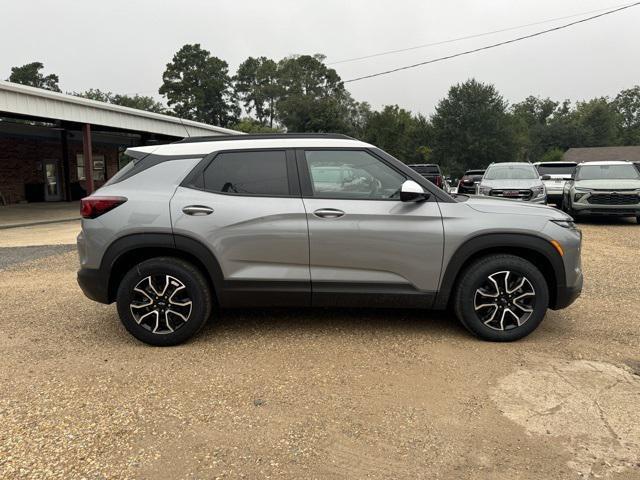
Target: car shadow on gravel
331,320
605,221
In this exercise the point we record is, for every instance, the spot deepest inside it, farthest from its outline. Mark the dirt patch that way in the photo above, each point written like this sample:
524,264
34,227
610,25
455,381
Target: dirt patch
592,406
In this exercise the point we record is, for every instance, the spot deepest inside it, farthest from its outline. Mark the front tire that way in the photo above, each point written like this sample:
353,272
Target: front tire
501,298
164,301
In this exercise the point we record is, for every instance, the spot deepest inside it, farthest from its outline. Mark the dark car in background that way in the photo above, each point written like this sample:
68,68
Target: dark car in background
469,181
430,171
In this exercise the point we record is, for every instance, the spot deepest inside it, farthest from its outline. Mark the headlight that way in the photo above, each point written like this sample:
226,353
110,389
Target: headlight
565,224
538,191
484,190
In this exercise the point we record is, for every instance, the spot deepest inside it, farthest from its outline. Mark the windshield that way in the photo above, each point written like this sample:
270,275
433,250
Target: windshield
511,172
432,169
556,169
607,172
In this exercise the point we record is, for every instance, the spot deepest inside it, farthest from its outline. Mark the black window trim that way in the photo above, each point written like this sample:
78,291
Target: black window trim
195,179
307,187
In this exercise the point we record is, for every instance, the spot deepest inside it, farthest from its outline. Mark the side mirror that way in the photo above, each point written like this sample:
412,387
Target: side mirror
410,191
545,177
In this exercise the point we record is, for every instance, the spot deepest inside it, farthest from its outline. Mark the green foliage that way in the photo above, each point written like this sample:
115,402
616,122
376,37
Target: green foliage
251,125
598,123
552,155
256,84
400,133
471,128
29,74
198,87
140,102
627,104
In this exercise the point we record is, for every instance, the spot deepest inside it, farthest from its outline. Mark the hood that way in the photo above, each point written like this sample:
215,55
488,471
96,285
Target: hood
512,183
604,184
504,205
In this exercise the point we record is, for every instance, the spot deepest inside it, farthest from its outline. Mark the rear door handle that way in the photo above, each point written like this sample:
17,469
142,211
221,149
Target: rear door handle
197,210
328,213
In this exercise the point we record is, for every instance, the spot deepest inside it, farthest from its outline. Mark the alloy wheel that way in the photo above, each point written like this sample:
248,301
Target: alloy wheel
505,300
160,304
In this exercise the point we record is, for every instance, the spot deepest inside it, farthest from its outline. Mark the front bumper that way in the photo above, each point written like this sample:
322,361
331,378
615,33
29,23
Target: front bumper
566,295
607,210
94,284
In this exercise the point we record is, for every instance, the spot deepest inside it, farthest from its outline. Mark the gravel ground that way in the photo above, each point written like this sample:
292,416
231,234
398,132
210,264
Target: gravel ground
321,393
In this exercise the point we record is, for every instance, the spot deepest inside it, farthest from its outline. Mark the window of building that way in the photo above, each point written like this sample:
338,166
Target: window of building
99,167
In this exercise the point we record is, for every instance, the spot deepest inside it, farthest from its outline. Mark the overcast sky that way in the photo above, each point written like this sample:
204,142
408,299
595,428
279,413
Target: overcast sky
124,45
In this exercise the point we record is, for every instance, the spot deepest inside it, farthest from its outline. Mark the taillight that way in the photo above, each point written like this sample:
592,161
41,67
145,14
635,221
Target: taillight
92,207
439,181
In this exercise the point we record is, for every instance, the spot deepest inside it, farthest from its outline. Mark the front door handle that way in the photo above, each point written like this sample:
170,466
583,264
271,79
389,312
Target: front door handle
328,213
197,210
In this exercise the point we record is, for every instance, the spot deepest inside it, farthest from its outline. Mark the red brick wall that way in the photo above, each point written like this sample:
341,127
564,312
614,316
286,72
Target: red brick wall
20,157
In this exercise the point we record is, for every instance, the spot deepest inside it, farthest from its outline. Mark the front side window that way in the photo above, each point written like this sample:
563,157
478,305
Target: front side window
351,174
248,173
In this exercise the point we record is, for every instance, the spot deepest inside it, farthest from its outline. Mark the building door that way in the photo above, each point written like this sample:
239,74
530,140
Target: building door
52,186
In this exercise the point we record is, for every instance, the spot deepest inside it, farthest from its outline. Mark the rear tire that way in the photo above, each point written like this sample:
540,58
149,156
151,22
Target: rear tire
638,219
501,298
164,301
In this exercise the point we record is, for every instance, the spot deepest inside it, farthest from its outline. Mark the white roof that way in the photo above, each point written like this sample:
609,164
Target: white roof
607,162
37,102
204,148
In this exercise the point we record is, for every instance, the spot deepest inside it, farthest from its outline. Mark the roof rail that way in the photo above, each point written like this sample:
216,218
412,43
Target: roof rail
262,136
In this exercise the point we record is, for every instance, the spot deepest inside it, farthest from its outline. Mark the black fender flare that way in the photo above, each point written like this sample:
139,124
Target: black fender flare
494,243
165,241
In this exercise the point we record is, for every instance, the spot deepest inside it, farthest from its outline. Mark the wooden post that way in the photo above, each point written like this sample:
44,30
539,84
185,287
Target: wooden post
88,157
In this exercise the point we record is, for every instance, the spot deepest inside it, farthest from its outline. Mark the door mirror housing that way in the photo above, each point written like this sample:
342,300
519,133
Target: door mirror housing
410,191
545,177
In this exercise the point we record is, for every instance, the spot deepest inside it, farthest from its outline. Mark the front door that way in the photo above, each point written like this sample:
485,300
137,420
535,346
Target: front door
366,246
52,186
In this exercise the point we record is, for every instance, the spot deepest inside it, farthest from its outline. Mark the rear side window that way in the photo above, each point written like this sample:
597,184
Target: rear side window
248,173
556,169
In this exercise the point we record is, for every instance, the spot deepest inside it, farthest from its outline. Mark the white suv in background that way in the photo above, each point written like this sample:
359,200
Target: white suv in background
555,175
513,180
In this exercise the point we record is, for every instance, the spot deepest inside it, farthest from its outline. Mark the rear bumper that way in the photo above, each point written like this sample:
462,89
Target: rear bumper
94,284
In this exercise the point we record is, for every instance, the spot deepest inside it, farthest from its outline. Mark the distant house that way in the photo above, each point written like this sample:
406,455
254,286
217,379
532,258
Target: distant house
599,154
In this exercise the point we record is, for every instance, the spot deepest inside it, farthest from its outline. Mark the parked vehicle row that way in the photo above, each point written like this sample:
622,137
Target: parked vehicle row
314,220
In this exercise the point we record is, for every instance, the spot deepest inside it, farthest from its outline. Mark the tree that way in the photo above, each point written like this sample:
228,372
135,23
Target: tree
553,155
140,102
471,128
599,123
256,84
29,74
312,96
398,132
251,125
627,104
198,87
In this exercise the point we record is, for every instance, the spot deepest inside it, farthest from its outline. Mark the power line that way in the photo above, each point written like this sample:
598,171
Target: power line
487,47
468,37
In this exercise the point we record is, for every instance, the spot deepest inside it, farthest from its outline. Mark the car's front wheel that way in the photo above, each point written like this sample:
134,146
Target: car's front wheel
164,301
501,297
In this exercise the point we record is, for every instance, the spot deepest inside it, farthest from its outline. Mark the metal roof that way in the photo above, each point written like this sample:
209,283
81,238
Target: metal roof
595,154
36,102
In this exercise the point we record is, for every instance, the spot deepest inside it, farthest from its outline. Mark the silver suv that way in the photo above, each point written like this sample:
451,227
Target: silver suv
610,188
513,180
313,220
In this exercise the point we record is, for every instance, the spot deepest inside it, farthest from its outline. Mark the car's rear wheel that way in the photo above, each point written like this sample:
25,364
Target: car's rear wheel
501,298
164,301
638,219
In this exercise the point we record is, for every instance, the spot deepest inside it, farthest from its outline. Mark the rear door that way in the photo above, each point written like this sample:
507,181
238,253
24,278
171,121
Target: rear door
366,246
245,206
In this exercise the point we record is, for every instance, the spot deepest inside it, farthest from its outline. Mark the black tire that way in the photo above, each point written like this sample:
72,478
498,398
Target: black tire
638,219
476,275
185,280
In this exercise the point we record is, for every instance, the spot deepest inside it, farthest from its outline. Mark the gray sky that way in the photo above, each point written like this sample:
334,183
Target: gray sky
124,45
